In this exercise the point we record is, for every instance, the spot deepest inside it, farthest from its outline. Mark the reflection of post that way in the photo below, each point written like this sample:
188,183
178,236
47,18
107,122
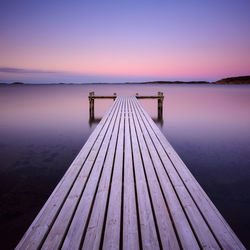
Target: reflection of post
91,105
94,121
160,105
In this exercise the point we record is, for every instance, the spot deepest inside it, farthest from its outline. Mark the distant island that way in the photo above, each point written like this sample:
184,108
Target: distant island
230,80
234,80
17,83
13,83
170,82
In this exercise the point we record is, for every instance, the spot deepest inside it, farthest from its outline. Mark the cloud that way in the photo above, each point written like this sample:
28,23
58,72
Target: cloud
24,71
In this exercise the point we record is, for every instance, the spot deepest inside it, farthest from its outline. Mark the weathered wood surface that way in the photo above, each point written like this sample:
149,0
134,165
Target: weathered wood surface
138,97
128,189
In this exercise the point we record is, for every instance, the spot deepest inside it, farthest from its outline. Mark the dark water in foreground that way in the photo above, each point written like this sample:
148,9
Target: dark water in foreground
42,128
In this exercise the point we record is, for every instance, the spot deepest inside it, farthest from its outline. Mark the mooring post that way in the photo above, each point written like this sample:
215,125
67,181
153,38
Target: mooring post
160,105
91,105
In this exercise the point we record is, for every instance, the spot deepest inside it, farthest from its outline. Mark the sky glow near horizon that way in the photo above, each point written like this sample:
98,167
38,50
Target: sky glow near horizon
116,41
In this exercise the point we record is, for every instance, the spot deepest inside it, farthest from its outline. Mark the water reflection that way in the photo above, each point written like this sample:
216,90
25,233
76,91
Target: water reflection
93,120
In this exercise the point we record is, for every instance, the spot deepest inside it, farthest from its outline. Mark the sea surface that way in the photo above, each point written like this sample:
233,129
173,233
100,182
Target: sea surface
43,127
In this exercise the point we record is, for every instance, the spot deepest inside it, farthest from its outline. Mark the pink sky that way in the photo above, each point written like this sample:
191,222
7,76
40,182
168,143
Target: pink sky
93,41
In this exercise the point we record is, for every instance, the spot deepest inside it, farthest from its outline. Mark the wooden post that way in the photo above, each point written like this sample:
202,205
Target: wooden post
114,96
91,105
160,105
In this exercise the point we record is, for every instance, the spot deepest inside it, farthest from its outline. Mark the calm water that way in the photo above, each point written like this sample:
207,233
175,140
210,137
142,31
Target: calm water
42,128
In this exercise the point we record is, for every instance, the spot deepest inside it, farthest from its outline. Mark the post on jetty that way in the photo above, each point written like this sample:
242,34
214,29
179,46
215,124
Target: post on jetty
160,105
92,97
91,105
128,189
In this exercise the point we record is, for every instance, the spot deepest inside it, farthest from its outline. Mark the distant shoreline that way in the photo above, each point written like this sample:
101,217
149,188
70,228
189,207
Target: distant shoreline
230,80
239,80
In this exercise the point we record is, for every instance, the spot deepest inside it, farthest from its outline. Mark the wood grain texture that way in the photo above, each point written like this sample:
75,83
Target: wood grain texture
162,219
180,222
130,210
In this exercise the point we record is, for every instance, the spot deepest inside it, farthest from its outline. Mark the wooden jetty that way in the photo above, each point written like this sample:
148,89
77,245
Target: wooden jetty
128,189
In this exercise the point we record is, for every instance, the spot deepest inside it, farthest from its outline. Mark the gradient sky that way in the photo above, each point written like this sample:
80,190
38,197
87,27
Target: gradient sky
115,41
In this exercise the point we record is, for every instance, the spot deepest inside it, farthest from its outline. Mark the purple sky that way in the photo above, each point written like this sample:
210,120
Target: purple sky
116,41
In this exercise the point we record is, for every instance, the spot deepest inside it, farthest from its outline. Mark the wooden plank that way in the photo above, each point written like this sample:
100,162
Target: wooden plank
113,227
45,218
102,97
130,219
184,231
149,97
73,238
219,227
95,226
59,229
204,235
147,224
166,231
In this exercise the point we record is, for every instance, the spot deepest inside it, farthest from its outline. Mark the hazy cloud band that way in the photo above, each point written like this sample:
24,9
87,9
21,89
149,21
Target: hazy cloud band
24,71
